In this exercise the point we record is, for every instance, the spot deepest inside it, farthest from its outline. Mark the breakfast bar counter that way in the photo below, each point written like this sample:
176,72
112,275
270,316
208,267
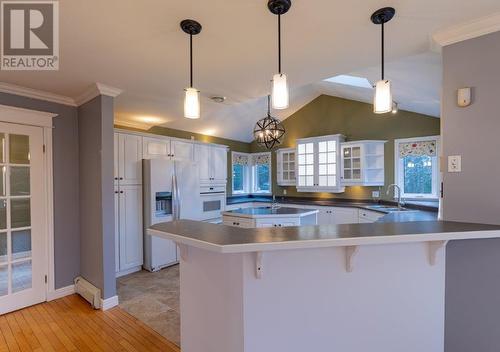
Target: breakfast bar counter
361,287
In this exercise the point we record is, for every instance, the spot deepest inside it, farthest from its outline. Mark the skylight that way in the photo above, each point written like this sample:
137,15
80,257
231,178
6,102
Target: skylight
350,81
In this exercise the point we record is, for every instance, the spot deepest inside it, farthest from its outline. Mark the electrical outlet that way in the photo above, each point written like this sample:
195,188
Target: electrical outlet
376,194
455,163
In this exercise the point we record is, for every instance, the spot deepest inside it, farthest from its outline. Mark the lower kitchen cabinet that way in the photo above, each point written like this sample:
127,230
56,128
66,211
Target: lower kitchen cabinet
277,222
128,229
337,216
367,216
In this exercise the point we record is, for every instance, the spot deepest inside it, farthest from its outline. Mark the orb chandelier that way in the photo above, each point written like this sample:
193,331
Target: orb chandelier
268,131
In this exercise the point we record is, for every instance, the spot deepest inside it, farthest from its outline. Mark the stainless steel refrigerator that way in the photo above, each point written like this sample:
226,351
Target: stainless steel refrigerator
171,191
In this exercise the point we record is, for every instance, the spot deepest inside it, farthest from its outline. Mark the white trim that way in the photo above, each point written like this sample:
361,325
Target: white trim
60,293
128,271
49,199
22,116
435,169
35,94
95,90
468,30
109,303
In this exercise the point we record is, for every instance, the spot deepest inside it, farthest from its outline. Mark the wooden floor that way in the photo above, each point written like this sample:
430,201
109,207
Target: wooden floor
69,324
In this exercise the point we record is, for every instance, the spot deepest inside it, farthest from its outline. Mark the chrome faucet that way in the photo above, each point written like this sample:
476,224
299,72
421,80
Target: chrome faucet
395,186
274,205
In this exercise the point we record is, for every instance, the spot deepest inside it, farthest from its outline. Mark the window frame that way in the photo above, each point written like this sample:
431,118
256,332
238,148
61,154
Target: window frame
254,169
399,167
246,175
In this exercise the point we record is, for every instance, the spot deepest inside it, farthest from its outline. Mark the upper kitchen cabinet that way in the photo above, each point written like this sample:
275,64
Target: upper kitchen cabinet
363,163
128,159
212,161
286,162
318,164
166,148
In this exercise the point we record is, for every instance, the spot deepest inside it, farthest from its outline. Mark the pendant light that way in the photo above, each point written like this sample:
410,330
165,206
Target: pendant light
268,131
382,101
192,98
280,93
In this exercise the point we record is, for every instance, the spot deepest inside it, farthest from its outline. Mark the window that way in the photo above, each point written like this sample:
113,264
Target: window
417,167
251,173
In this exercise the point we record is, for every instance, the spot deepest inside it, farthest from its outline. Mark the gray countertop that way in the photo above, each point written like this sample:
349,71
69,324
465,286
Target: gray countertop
228,239
267,212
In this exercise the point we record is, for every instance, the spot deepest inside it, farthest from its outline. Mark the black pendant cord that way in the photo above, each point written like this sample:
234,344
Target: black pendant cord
383,68
279,44
191,60
269,105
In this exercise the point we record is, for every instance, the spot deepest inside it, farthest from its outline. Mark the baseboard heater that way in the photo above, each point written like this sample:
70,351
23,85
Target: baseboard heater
88,291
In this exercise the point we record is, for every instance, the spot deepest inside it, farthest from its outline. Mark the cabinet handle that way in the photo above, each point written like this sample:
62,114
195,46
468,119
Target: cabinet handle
121,178
116,191
121,191
116,178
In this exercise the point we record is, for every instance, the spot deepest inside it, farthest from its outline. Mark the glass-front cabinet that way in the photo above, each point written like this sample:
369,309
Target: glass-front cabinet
362,163
318,164
286,161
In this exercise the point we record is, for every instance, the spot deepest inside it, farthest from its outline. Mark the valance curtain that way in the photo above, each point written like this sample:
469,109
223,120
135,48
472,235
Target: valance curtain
417,148
240,159
261,159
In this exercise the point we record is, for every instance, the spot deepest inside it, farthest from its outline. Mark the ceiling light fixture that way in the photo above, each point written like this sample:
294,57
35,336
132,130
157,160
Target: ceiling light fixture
280,93
268,131
382,101
192,98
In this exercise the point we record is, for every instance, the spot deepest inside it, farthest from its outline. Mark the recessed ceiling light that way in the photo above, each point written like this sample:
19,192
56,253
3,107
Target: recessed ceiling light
353,81
218,99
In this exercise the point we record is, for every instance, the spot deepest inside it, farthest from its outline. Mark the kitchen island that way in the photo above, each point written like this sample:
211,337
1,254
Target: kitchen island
361,287
270,217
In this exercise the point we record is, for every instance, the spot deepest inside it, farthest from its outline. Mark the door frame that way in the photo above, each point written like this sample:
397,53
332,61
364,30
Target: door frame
42,119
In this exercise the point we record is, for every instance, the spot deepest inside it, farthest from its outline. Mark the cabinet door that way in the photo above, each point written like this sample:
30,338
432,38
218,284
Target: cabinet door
155,148
219,165
305,161
116,147
182,150
202,157
351,164
325,216
130,159
345,216
117,229
131,230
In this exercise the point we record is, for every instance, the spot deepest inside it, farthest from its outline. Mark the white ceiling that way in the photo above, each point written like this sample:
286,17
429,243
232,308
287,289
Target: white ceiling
138,46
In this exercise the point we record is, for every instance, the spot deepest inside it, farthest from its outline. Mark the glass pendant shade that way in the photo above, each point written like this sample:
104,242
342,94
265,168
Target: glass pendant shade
382,102
280,94
192,103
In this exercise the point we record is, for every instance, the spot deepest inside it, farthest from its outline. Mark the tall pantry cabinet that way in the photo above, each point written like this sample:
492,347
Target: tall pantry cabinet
128,155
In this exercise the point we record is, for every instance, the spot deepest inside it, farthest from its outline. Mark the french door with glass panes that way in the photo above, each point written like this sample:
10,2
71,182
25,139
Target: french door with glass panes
23,257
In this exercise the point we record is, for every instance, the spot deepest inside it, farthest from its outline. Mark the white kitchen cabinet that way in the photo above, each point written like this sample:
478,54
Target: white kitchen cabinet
239,222
165,148
128,160
286,165
282,222
117,229
318,164
130,227
363,163
212,162
337,215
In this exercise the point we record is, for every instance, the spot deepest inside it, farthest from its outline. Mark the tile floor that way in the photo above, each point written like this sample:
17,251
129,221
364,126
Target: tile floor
153,298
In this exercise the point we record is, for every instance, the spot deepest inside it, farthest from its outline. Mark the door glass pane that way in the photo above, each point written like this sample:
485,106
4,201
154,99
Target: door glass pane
356,174
356,163
322,181
21,276
356,152
347,152
3,247
4,277
322,147
20,212
19,181
3,180
347,174
19,149
309,148
3,214
2,147
347,163
21,244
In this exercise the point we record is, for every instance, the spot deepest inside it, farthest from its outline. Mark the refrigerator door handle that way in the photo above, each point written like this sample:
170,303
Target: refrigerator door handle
176,202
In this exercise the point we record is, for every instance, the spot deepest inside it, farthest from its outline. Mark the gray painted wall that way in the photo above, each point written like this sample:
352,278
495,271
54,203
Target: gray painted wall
472,266
95,126
66,200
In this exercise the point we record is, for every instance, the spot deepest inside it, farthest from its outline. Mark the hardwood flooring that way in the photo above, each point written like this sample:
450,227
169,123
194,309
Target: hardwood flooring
70,324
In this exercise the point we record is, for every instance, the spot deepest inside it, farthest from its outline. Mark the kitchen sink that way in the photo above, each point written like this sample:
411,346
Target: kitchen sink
388,208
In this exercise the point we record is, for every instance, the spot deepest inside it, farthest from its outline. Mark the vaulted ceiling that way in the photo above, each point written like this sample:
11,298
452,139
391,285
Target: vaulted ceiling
138,46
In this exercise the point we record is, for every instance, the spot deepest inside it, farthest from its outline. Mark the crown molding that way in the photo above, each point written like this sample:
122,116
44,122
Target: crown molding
95,90
35,94
133,124
468,30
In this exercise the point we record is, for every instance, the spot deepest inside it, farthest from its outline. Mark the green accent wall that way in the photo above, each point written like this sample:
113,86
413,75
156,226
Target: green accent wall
332,115
169,132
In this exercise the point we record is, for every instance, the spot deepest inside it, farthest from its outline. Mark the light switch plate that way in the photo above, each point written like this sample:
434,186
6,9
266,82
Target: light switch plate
455,163
376,194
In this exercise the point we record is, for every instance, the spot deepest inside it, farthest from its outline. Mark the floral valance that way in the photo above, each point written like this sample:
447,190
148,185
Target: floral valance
261,159
240,159
417,148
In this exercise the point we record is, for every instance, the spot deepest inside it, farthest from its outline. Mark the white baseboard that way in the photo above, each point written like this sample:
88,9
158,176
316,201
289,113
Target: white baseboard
109,303
60,292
